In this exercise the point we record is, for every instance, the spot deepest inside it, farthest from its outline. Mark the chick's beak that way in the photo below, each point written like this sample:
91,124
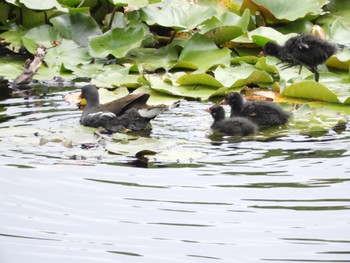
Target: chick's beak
208,110
262,53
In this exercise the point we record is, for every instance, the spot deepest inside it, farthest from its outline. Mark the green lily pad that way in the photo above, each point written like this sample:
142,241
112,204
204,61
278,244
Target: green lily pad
226,27
116,76
77,27
44,35
340,60
10,68
134,4
14,38
157,98
333,92
151,58
201,53
241,75
200,79
285,10
132,147
307,119
42,5
118,42
179,14
200,92
262,35
67,53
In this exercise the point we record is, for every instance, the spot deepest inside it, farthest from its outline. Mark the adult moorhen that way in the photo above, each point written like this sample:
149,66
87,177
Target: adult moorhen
263,113
230,126
129,112
304,50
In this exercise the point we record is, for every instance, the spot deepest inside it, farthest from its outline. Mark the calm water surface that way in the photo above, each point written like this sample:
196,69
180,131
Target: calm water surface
281,200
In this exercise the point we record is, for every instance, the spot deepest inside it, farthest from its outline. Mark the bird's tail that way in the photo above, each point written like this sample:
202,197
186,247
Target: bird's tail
150,113
341,46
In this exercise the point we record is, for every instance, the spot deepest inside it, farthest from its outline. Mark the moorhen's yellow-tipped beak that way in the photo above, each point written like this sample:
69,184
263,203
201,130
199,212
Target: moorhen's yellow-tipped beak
262,53
208,110
224,102
82,101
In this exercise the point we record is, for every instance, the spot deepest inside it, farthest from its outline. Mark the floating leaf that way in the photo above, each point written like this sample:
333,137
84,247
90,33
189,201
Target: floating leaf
132,147
178,14
151,58
67,53
10,68
340,60
201,53
118,42
44,35
76,26
200,79
134,4
226,27
190,91
306,119
174,155
42,5
284,10
116,76
262,35
329,92
241,75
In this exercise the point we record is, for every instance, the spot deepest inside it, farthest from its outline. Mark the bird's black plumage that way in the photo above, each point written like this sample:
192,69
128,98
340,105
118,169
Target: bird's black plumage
263,113
129,112
230,126
303,50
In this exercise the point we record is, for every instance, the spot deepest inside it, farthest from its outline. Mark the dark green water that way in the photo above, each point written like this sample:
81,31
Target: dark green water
215,199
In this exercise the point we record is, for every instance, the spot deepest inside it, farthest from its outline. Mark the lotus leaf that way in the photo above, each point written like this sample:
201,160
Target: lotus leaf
76,26
285,10
44,35
179,14
118,42
333,92
201,53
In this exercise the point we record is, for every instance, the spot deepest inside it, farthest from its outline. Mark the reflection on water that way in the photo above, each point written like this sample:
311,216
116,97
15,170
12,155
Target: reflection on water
251,200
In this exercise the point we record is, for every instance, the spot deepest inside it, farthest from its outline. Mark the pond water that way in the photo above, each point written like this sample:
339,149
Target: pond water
217,200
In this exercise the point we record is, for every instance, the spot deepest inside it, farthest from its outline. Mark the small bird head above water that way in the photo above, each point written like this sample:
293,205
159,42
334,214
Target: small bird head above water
233,99
271,49
217,112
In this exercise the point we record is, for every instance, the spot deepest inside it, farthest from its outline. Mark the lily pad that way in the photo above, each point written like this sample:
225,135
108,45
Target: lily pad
76,26
132,147
44,35
179,14
134,4
329,92
200,79
340,60
241,75
262,35
118,42
151,58
285,10
201,53
116,76
10,68
226,27
42,5
200,92
67,53
307,119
